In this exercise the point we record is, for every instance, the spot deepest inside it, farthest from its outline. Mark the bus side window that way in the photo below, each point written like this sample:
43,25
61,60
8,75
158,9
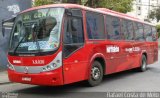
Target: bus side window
154,34
95,25
73,35
113,27
139,35
127,28
148,32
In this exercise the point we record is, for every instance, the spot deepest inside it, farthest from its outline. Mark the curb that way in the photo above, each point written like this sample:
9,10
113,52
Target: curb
4,77
3,68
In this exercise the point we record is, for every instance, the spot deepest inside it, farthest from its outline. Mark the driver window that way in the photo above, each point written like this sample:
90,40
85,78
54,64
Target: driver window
74,31
73,35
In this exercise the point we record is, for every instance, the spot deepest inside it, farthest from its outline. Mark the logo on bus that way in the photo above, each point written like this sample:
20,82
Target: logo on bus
112,49
25,69
133,49
16,61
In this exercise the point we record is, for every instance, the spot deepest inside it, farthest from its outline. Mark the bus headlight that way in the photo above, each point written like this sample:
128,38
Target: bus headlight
10,66
50,67
56,63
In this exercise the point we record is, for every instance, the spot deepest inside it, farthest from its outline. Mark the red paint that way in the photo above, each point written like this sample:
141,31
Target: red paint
76,67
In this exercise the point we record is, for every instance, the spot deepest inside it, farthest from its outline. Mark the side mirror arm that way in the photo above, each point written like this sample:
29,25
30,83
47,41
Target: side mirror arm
3,29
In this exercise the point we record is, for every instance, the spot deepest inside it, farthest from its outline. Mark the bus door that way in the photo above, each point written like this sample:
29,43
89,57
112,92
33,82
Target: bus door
74,56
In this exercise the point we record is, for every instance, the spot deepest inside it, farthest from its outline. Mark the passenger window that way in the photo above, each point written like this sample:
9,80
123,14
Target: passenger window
138,28
154,34
113,28
148,32
127,28
73,35
95,26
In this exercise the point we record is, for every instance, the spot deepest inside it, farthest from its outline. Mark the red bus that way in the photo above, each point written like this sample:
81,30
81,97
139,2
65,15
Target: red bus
64,43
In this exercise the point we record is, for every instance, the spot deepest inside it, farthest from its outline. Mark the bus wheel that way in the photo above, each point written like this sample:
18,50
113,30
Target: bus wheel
96,74
143,66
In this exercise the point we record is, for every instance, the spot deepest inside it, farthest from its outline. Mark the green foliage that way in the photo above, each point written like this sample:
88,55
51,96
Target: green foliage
43,2
158,30
155,14
123,6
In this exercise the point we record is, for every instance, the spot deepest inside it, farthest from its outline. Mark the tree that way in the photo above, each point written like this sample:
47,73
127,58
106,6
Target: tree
43,2
155,14
158,30
74,1
123,6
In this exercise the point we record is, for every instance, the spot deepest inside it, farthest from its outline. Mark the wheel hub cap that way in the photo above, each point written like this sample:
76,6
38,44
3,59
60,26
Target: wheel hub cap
95,73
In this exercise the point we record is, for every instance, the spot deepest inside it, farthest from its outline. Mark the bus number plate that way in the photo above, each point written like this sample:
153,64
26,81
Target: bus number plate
26,79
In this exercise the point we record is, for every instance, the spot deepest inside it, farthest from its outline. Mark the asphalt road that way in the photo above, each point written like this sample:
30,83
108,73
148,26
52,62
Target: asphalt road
128,81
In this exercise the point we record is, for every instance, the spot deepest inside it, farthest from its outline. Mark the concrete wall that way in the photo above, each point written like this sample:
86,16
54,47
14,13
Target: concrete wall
9,8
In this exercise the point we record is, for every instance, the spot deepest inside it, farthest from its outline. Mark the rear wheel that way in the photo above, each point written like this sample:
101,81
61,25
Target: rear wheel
143,66
96,74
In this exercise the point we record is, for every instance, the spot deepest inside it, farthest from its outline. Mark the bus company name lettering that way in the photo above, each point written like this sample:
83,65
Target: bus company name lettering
132,49
16,61
112,49
38,61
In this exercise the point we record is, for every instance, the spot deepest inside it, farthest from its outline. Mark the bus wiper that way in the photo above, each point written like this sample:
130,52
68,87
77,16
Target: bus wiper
20,43
34,31
26,34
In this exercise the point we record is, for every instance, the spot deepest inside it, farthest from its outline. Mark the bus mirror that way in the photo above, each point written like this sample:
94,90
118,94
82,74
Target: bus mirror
74,12
7,24
3,30
68,12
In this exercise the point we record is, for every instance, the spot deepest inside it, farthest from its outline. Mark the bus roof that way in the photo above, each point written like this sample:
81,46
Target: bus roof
98,10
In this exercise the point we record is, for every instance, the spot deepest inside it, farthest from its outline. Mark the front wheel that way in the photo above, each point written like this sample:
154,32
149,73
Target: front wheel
96,74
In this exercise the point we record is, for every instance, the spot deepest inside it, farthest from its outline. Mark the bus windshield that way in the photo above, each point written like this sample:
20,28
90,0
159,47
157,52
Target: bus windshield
37,31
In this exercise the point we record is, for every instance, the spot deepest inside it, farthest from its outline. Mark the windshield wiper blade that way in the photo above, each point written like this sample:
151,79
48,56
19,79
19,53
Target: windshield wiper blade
20,43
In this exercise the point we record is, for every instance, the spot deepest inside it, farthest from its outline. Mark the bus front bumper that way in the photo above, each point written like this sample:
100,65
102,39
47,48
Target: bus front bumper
52,78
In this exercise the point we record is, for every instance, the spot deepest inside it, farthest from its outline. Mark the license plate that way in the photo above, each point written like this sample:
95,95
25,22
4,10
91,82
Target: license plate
26,79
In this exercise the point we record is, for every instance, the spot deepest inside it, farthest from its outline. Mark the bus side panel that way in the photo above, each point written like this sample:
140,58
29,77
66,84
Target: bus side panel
150,52
75,66
155,51
138,49
118,60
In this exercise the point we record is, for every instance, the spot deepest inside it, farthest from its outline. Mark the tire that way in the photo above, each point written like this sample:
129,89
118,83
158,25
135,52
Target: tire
143,66
96,74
